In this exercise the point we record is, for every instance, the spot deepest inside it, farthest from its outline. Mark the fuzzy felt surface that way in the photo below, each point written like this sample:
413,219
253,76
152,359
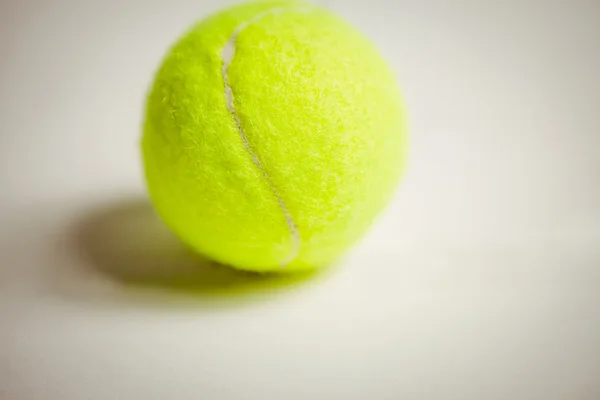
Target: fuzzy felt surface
313,140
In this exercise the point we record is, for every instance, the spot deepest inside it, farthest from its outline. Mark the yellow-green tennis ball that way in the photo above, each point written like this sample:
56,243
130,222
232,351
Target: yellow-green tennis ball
273,137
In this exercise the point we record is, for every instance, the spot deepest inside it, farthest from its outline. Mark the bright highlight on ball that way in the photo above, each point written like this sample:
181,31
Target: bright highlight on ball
274,136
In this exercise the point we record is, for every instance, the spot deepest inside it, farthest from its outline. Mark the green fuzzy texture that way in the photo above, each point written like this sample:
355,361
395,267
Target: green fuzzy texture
318,151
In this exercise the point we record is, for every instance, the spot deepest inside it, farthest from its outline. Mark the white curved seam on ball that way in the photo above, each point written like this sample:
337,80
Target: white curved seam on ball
227,54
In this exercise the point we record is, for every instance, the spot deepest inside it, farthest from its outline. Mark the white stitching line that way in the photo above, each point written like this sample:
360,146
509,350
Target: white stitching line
227,54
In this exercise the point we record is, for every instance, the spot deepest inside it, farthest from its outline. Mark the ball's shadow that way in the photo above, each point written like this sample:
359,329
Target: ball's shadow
128,243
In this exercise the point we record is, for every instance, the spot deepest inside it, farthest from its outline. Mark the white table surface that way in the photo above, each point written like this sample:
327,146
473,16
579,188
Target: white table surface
481,281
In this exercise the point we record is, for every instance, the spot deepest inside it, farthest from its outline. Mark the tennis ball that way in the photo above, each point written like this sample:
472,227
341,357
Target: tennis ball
274,136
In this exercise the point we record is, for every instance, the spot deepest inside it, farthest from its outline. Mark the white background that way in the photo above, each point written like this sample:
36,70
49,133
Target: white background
481,281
